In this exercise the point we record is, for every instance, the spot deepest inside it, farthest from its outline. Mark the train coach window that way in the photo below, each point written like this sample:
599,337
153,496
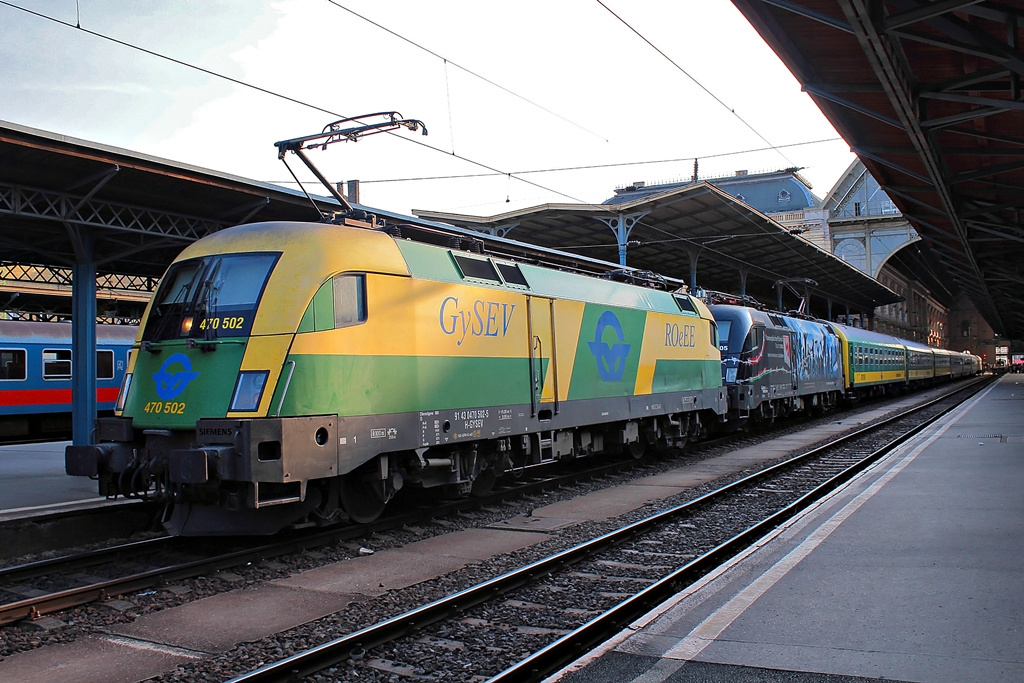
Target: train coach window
349,300
12,364
104,364
56,363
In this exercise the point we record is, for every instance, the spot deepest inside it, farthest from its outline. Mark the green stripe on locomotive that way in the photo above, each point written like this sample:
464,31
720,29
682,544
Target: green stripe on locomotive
376,385
686,375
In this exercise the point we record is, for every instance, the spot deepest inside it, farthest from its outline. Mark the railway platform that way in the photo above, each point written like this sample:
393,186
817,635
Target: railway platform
913,572
33,481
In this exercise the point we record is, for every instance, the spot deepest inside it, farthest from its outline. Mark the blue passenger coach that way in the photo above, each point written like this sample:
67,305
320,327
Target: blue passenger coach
35,375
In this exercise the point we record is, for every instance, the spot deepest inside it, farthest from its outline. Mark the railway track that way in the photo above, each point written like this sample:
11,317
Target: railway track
32,589
527,623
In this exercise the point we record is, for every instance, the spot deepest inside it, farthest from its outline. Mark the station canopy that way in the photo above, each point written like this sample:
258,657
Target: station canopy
139,212
928,95
58,194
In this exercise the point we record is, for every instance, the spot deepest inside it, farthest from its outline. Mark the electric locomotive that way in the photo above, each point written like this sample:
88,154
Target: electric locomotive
775,364
292,373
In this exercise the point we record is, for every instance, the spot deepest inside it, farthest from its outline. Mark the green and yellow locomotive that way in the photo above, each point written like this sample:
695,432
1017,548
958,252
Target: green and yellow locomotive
295,372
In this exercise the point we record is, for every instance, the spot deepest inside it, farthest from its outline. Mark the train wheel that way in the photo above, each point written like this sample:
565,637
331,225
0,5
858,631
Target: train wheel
362,497
484,482
637,449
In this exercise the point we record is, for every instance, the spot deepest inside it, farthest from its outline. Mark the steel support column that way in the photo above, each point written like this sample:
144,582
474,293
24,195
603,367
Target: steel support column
622,225
83,340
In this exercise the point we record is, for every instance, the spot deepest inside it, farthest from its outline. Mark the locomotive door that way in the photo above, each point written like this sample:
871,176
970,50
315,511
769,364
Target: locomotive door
540,316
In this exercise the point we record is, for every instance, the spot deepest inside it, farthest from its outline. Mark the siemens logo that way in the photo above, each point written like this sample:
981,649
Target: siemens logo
215,431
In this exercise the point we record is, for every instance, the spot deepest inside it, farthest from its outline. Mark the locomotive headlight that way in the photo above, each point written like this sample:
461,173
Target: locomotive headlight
730,375
122,395
249,390
186,325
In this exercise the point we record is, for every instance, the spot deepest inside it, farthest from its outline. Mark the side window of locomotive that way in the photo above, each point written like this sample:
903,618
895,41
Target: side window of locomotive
340,302
512,275
104,364
476,268
12,364
56,363
684,303
754,339
349,300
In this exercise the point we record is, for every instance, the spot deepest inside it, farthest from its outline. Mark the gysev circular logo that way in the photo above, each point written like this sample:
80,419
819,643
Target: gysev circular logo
611,359
170,379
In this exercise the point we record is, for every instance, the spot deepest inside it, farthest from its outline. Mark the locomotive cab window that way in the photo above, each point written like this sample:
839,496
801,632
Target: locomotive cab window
349,300
211,296
754,340
724,327
12,364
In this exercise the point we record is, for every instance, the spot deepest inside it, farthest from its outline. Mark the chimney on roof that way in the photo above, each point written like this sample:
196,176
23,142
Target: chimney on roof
351,193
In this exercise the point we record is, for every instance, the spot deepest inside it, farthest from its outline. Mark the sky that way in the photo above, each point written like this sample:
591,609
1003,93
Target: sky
525,103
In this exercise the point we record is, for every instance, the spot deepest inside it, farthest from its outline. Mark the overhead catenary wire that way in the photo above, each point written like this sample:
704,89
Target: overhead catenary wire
465,69
490,170
587,167
690,76
272,93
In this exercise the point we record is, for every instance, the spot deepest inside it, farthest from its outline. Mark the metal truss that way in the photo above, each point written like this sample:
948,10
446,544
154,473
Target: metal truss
70,209
947,74
17,273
